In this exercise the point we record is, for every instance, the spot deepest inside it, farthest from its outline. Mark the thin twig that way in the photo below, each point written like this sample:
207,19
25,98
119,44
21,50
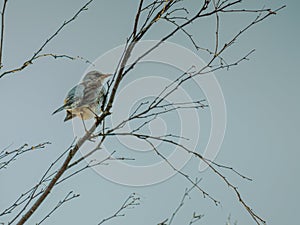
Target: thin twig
2,30
187,177
10,156
36,54
132,201
185,195
137,17
156,11
67,198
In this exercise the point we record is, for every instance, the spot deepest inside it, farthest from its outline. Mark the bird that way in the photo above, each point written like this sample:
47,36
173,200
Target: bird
86,98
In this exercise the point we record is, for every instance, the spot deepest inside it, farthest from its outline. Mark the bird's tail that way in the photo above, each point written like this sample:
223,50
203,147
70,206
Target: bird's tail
59,109
69,116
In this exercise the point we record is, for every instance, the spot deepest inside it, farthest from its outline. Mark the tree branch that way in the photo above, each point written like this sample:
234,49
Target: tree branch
129,203
36,54
67,198
2,30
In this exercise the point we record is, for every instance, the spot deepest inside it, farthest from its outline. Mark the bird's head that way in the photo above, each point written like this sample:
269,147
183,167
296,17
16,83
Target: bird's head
94,76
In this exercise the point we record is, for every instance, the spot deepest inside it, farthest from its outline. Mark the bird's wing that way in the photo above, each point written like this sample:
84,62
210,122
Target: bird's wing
102,96
91,94
101,100
74,96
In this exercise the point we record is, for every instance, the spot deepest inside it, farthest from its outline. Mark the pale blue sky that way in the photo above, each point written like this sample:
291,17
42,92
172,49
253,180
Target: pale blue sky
261,95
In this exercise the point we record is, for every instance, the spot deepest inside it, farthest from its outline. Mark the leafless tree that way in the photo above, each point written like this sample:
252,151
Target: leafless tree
148,15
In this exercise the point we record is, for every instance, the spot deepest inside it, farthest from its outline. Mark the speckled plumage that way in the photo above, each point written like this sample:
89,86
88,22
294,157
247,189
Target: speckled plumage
85,99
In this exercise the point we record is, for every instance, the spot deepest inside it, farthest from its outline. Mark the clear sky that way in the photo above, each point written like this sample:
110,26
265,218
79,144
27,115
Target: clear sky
261,95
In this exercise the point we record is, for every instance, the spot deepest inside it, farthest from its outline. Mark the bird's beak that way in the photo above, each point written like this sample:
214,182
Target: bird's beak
107,75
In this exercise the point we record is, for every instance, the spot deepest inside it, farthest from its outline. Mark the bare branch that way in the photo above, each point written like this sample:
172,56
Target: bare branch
56,56
37,53
2,30
92,163
146,111
32,193
230,168
195,218
6,157
147,138
137,17
185,195
67,198
187,177
132,201
255,217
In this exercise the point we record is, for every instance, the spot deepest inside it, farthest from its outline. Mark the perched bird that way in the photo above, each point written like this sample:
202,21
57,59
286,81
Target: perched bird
85,99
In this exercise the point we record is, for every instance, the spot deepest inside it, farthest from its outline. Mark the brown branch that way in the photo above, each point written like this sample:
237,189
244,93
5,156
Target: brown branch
217,53
62,170
56,56
67,198
36,54
152,8
203,8
127,52
210,69
98,147
195,218
155,104
17,152
152,4
2,30
129,203
205,193
147,138
137,17
87,136
254,216
146,27
230,168
117,79
184,197
33,192
190,36
217,28
258,19
93,163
